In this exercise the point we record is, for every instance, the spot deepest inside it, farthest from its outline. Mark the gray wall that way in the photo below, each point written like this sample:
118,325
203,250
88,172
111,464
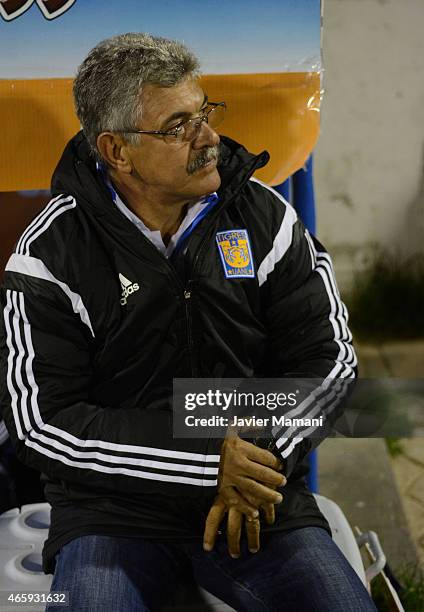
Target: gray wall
369,161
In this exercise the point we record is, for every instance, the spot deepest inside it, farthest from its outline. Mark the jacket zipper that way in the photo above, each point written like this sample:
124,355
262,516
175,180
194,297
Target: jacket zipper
190,344
187,295
187,291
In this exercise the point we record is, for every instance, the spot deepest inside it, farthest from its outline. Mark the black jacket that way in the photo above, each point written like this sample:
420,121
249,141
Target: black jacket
87,369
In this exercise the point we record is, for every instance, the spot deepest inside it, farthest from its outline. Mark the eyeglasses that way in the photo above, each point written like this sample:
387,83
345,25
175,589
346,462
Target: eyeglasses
186,131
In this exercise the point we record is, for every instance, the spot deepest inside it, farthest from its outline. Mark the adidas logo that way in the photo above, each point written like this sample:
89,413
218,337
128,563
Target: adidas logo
127,288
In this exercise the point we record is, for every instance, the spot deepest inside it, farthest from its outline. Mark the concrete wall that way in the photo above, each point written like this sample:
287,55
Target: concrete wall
369,162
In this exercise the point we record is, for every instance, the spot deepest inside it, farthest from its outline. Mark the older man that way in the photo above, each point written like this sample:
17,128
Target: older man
122,284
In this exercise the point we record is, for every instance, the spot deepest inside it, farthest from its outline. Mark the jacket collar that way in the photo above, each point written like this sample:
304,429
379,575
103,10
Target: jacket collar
76,173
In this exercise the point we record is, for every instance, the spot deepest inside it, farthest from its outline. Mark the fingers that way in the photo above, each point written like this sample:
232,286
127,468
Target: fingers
234,499
253,529
267,509
235,448
249,487
242,461
234,532
262,456
265,475
253,501
269,513
234,525
213,520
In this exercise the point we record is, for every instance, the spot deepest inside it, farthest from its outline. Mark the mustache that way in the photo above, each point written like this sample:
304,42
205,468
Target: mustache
204,157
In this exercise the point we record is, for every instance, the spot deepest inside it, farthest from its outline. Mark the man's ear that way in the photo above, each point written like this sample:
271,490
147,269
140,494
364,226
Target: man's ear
114,150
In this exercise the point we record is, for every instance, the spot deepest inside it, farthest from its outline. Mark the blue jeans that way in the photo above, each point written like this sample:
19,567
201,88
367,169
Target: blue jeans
294,571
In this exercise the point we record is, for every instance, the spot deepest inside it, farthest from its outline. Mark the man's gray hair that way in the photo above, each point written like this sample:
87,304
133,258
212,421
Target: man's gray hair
109,82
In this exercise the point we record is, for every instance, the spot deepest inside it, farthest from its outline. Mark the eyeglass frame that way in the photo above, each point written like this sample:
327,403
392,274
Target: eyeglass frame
174,132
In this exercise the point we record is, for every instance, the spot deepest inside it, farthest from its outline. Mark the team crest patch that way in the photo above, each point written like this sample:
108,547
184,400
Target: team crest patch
236,254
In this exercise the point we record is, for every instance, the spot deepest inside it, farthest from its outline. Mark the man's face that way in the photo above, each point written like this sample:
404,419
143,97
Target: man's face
174,171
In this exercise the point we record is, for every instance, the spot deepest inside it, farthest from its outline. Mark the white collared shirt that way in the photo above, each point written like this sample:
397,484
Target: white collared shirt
154,235
193,211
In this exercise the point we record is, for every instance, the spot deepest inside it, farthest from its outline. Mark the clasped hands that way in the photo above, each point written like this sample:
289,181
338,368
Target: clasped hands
248,477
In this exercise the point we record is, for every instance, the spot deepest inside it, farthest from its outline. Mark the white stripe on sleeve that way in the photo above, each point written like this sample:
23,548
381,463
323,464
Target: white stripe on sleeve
10,366
282,240
158,460
345,361
35,223
3,432
31,266
43,222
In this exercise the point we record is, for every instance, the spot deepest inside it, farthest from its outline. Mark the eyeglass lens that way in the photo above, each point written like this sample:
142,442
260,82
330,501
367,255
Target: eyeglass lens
213,117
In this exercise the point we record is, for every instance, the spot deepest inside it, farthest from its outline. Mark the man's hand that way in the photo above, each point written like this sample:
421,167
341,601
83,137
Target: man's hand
248,476
234,526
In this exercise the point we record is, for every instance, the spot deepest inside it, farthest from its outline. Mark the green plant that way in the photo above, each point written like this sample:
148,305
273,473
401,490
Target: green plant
394,447
387,300
411,579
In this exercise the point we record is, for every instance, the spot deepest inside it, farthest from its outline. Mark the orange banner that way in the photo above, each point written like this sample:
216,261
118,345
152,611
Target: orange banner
277,111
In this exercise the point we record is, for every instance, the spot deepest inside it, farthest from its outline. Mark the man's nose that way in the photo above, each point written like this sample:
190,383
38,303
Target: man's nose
207,137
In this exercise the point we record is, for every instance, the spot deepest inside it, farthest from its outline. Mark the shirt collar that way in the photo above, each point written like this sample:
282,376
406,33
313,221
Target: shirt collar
195,210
